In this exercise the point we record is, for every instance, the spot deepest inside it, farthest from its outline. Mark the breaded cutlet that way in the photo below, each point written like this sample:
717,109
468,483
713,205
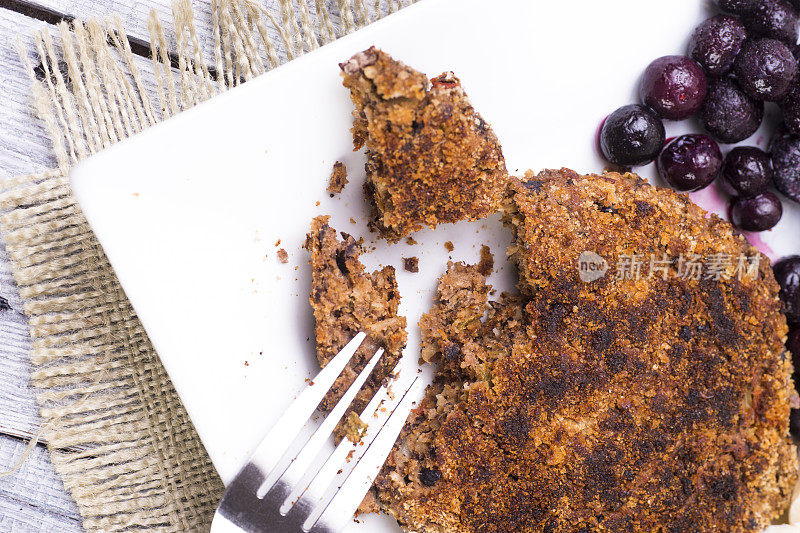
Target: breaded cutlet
431,158
653,404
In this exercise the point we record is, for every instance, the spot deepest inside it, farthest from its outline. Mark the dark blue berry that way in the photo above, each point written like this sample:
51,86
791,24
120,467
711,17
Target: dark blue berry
790,106
756,213
787,274
728,113
765,69
738,7
715,43
632,135
690,162
785,152
793,345
775,19
747,171
429,476
674,87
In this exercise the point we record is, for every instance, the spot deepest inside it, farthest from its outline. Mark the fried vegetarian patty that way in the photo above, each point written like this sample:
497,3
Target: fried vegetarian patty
431,158
619,404
346,299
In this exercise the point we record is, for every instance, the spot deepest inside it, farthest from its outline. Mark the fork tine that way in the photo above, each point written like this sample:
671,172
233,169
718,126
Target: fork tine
313,485
288,426
294,470
343,505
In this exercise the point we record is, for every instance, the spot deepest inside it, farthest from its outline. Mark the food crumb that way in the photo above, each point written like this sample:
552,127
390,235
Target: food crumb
352,220
411,264
283,256
486,265
278,242
317,204
338,178
410,241
136,194
449,246
246,363
353,427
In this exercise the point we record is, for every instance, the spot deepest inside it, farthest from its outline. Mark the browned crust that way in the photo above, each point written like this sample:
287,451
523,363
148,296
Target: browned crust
411,264
657,405
346,300
338,178
431,158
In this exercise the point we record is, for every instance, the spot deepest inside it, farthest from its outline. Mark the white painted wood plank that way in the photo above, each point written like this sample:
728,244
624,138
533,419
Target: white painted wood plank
24,144
135,14
33,499
19,414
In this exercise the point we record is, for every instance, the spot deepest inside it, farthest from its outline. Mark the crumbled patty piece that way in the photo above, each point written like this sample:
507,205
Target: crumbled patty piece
431,158
411,264
486,265
352,428
346,300
338,178
283,256
612,405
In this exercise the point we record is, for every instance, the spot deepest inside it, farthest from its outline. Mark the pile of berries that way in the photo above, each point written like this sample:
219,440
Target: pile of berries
735,62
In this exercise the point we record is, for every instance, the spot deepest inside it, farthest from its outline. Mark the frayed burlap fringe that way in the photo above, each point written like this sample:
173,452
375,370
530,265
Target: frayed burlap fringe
119,436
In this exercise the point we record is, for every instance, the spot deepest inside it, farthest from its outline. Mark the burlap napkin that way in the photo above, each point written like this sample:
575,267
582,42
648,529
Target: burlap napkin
119,436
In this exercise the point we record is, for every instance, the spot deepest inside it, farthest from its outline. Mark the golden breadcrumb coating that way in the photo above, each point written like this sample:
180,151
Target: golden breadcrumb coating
658,404
346,300
431,158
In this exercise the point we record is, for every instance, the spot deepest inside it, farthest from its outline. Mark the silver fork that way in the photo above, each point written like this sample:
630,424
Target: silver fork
283,490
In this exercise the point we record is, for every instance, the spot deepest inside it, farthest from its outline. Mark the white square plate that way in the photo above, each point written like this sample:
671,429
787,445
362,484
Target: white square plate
189,211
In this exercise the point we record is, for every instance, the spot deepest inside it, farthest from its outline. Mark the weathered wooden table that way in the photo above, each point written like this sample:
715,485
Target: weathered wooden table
34,499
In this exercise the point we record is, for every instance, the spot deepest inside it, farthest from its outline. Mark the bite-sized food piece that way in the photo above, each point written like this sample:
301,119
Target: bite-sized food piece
756,213
787,273
632,135
346,300
631,404
673,86
785,151
338,178
765,69
690,162
775,19
352,427
431,158
790,107
411,264
728,113
715,43
486,264
738,7
747,171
